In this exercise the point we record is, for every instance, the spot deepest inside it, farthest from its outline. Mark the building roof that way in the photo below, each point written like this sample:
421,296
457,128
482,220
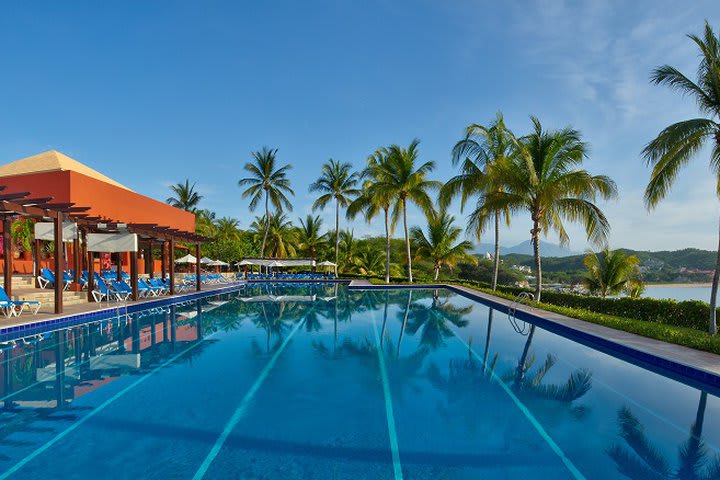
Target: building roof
52,161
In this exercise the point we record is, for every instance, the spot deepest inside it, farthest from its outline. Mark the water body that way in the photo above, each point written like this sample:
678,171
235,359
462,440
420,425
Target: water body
679,293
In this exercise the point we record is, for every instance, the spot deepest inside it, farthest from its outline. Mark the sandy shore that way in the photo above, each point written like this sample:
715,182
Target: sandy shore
708,285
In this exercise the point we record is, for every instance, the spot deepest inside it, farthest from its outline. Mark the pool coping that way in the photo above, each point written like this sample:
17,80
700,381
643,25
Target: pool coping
693,367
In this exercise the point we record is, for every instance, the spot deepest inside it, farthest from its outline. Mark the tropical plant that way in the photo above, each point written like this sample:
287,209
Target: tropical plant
310,240
609,272
185,196
545,180
482,149
279,234
373,199
405,182
336,183
267,182
440,243
674,146
227,228
205,222
348,248
23,233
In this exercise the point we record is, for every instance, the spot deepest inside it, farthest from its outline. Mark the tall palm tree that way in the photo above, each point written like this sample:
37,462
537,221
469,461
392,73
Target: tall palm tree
348,247
482,149
610,271
336,183
545,180
673,148
310,240
405,182
185,196
440,243
267,182
227,228
372,200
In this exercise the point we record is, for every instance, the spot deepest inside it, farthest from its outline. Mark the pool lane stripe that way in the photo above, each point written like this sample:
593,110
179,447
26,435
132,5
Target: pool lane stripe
528,414
392,433
244,404
97,410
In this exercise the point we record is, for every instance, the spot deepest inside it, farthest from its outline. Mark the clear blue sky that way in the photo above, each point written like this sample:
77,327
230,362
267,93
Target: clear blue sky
151,93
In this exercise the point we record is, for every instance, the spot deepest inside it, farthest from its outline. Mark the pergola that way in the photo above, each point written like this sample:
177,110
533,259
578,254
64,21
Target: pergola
278,262
22,204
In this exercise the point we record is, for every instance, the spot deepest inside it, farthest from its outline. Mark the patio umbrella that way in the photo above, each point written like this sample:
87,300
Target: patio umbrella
187,259
327,263
218,263
205,260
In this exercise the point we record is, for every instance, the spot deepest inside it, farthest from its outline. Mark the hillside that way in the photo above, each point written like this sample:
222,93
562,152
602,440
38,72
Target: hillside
547,249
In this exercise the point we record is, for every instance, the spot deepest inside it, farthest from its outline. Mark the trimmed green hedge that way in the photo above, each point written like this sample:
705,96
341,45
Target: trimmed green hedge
686,314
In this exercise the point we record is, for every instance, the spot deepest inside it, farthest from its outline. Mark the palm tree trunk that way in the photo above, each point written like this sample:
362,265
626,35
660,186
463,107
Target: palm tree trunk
267,224
407,241
337,234
496,258
437,271
385,317
538,267
387,245
713,293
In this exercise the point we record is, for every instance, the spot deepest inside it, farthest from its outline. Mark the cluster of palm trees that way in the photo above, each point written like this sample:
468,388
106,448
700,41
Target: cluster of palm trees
500,175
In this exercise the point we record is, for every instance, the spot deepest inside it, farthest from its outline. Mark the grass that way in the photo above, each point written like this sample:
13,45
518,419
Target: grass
687,337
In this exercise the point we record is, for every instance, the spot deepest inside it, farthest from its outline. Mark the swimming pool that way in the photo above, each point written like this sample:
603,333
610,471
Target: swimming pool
287,381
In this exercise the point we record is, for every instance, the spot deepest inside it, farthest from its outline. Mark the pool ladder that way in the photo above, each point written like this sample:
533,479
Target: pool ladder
512,313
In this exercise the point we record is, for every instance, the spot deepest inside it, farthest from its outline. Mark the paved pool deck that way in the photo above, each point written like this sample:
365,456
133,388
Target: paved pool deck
646,350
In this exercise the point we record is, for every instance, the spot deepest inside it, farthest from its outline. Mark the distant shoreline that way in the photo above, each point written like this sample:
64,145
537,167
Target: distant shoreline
708,285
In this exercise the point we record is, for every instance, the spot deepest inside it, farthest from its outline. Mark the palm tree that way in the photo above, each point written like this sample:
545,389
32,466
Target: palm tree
482,149
404,182
336,183
372,199
545,180
673,148
227,228
268,182
185,196
609,272
439,244
348,247
310,240
279,232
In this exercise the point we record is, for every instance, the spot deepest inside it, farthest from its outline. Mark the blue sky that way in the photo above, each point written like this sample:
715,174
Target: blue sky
151,93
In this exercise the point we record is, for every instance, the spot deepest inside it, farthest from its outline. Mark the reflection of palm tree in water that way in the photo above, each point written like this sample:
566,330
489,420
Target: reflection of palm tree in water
527,382
273,318
433,322
644,461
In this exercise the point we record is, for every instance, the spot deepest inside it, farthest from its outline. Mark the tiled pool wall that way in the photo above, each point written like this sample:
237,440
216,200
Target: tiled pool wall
8,333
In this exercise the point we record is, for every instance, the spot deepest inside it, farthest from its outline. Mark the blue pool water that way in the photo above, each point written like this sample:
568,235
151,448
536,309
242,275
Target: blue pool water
279,382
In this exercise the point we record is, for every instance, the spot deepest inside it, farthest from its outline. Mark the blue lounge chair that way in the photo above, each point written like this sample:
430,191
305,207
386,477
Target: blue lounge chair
122,290
102,290
47,278
14,305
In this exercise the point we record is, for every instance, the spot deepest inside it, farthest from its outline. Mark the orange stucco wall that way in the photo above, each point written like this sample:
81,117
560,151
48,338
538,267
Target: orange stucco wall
105,200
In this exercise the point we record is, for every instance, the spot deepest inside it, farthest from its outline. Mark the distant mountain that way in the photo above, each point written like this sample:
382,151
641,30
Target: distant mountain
547,249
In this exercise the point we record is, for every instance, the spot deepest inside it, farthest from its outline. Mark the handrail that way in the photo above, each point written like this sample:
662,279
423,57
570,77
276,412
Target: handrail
512,310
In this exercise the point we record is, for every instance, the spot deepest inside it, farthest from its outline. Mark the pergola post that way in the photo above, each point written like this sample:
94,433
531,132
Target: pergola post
83,250
171,264
7,252
91,275
59,263
76,263
36,253
149,263
134,275
198,282
119,267
163,259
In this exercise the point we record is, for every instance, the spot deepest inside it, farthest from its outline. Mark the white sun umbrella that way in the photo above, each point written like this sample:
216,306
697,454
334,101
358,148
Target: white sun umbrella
205,260
327,263
187,259
220,263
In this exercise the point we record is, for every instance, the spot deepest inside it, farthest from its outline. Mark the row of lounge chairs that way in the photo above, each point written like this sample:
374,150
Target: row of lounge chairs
120,290
206,278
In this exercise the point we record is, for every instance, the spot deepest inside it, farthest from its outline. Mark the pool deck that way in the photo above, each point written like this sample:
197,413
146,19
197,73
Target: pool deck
682,360
69,311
